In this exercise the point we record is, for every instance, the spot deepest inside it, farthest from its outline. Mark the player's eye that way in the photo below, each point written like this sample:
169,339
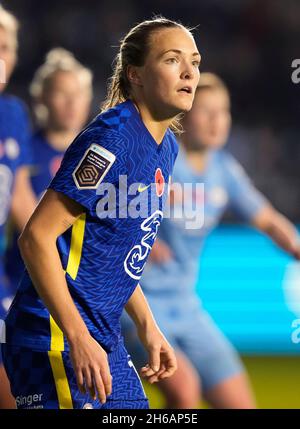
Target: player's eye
196,63
172,60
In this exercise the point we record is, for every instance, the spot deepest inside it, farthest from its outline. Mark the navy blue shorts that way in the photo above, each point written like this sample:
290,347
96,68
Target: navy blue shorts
47,380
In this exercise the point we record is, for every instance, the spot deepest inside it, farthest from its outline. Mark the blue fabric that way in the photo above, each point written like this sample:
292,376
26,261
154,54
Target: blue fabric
14,153
170,287
115,249
33,381
225,185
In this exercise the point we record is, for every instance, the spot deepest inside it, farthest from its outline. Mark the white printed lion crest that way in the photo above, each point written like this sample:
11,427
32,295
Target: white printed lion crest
137,256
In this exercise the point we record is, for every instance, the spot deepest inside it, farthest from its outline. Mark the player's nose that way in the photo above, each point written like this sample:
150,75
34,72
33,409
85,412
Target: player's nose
188,71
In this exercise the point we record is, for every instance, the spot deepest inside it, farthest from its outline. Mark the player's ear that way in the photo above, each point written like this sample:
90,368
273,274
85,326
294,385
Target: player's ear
133,75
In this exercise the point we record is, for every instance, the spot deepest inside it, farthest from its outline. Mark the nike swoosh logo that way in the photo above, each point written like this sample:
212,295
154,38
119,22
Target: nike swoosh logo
142,188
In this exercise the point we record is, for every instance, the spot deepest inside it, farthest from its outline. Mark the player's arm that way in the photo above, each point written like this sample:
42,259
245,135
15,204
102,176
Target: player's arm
279,228
162,360
160,252
254,207
23,198
52,217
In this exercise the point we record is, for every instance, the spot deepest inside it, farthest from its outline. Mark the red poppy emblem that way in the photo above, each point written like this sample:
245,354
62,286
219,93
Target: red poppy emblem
160,182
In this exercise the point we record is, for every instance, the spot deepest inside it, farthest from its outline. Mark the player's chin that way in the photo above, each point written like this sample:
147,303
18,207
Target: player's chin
177,105
215,143
184,102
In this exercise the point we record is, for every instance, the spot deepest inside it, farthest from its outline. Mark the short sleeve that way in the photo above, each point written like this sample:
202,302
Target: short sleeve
244,198
96,156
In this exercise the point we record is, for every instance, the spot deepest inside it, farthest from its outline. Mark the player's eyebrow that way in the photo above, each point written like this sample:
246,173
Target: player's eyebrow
178,51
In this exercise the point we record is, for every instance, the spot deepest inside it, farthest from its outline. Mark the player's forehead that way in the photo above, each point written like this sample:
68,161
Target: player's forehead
66,81
64,76
176,39
215,96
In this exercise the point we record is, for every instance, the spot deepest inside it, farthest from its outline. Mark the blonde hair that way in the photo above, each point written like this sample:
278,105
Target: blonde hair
10,24
58,59
134,48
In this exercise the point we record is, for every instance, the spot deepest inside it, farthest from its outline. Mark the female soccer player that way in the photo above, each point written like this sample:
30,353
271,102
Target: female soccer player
206,360
62,93
85,250
15,192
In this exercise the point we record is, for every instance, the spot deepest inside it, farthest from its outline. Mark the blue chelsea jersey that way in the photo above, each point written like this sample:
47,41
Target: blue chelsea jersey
14,151
46,161
119,174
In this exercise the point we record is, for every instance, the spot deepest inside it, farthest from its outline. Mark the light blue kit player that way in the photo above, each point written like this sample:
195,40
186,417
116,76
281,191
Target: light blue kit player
87,243
170,277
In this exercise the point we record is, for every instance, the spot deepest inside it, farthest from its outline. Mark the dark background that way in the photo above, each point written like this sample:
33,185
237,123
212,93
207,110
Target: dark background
249,43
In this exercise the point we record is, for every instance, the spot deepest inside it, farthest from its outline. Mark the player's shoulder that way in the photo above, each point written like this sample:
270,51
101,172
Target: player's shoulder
223,156
37,137
229,163
38,143
98,140
13,104
115,118
98,135
106,128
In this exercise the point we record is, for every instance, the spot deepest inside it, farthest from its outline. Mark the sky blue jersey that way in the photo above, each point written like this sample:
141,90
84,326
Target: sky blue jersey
225,185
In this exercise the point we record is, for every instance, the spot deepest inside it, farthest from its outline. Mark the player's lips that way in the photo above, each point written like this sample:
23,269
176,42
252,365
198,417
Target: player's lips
186,89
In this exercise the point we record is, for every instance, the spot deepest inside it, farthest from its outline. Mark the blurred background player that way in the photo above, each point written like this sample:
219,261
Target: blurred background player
208,364
62,94
15,191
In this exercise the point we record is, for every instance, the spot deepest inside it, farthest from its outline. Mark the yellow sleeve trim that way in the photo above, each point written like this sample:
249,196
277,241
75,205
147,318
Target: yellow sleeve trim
57,336
76,246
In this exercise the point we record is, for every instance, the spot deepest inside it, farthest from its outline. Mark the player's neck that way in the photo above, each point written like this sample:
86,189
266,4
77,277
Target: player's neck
198,160
157,128
197,156
59,139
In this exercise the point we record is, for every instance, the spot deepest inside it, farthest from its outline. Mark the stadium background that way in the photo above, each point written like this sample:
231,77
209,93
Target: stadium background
251,45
